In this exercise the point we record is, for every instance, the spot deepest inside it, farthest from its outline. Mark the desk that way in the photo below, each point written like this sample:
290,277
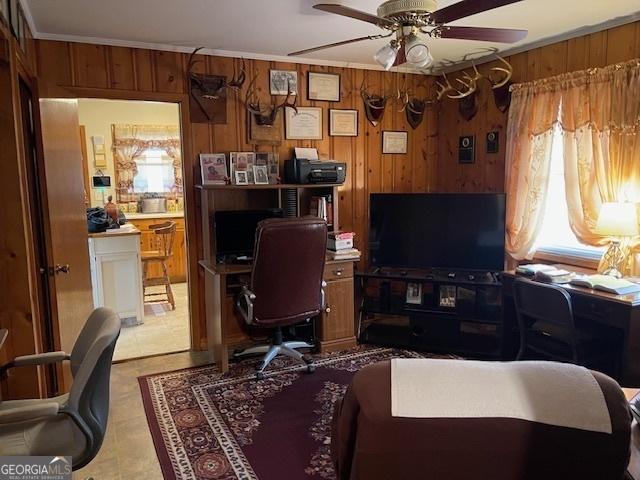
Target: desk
335,325
618,311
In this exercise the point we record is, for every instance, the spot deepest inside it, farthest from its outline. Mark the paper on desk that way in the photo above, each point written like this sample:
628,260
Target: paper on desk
307,153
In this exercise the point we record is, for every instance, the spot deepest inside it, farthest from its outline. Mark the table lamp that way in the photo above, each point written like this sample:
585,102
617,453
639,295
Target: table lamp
619,221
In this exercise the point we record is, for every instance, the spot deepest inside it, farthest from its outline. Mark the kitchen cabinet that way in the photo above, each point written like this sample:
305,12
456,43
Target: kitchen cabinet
177,264
116,273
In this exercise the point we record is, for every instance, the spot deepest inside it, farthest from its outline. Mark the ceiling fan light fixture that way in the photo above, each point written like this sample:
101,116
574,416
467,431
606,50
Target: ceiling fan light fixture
416,51
386,56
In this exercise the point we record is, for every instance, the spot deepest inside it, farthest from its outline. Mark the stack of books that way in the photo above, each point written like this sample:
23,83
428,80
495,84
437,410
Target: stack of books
545,273
340,246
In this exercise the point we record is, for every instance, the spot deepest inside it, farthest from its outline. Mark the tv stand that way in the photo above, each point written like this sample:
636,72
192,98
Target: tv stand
455,312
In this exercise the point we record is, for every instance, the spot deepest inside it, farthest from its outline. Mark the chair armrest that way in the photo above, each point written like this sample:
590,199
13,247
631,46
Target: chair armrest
323,302
244,302
40,359
28,412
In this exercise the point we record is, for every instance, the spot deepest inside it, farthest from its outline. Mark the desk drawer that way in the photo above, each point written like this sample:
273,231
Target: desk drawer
338,271
601,311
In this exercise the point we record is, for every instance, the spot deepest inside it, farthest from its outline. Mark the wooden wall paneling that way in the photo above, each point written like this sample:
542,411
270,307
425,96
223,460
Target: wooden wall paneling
143,70
595,50
122,68
89,65
53,61
598,49
621,43
168,71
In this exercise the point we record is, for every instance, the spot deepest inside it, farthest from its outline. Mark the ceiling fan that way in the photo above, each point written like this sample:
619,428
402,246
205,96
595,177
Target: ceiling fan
408,19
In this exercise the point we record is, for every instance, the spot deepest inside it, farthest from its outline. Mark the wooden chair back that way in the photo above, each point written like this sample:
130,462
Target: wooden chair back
165,234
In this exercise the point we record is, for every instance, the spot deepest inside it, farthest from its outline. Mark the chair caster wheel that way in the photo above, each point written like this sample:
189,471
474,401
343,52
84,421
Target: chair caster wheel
311,368
259,375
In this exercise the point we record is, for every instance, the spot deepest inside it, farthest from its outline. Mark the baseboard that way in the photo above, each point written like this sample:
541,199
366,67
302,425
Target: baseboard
338,344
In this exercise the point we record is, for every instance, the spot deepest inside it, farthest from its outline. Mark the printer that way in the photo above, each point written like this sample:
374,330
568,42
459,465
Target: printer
301,170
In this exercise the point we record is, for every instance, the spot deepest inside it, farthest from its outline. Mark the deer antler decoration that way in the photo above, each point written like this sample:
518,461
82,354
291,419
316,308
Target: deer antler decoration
265,116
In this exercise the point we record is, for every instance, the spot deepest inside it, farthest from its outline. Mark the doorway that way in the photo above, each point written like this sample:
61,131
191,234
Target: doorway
133,164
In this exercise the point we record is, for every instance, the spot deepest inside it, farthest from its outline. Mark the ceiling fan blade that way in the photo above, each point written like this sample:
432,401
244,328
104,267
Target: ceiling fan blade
337,44
466,8
353,13
500,35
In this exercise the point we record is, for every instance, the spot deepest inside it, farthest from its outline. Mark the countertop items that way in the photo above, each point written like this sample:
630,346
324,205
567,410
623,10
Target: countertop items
141,216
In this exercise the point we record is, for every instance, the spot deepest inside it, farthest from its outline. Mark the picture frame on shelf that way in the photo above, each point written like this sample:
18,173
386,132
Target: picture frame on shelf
324,87
213,167
241,177
242,161
414,294
283,82
343,123
305,124
261,175
394,142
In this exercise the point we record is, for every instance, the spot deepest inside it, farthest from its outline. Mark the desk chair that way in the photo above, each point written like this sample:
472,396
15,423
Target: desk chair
547,326
73,424
286,282
164,235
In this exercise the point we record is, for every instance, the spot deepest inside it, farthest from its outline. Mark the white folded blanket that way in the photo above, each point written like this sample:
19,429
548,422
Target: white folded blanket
545,392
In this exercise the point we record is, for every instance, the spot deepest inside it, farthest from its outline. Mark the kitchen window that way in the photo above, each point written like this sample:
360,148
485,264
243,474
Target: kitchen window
155,172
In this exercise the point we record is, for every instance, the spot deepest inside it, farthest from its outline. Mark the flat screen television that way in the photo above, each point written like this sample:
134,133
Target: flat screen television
235,230
437,230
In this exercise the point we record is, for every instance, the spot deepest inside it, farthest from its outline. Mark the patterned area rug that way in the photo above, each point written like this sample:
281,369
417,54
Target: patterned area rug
206,425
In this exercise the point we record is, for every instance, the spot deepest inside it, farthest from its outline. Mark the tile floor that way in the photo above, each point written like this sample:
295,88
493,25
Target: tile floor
128,452
163,331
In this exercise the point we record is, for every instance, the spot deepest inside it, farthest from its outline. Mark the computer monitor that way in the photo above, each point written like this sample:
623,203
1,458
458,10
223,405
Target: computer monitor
235,230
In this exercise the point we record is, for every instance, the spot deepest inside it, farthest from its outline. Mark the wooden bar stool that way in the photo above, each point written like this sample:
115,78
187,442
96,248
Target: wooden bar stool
164,236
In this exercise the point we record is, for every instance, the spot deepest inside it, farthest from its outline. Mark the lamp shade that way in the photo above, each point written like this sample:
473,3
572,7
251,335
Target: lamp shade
387,55
618,220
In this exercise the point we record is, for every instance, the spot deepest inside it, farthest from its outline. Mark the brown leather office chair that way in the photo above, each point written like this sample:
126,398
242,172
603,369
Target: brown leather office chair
286,282
164,235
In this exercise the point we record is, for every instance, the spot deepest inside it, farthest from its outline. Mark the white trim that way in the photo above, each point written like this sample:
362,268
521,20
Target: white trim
578,32
28,17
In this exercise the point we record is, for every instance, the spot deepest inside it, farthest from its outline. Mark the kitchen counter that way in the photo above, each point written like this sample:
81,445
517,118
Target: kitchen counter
119,232
144,216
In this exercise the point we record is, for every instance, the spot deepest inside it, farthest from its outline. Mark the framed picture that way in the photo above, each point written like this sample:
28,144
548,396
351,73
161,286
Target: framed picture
394,142
242,161
241,177
261,174
306,124
343,123
324,87
282,82
274,171
414,293
447,296
214,168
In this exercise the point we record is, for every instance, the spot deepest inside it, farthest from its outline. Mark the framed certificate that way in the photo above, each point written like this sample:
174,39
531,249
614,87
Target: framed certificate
324,87
304,125
394,142
343,123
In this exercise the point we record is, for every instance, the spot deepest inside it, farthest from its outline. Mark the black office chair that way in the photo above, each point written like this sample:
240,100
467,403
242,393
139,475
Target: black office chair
548,329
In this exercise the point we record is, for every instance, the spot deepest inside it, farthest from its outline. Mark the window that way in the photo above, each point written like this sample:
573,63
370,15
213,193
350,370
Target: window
155,173
556,236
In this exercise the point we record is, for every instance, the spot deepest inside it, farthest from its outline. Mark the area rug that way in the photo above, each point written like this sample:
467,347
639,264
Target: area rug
206,425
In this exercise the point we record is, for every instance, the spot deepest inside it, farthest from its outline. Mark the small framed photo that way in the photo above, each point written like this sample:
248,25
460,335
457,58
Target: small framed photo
283,82
214,168
241,177
305,124
414,293
274,171
242,161
324,87
394,142
343,123
261,175
447,296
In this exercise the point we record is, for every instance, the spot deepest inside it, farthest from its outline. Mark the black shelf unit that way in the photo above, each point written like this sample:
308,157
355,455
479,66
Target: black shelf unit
459,314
